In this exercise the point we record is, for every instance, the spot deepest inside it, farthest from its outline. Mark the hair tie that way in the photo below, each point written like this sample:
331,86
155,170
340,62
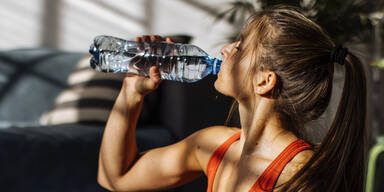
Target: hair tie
338,54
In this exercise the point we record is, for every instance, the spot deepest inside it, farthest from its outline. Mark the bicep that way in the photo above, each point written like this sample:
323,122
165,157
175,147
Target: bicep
164,167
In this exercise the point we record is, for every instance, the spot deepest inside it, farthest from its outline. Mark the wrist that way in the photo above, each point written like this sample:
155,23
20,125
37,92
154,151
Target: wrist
131,98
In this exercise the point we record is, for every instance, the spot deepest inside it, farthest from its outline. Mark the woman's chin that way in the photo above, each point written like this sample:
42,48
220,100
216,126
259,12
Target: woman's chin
220,88
215,84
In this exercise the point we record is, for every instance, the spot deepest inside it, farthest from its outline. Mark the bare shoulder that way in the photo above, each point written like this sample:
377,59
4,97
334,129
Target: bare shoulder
215,133
294,166
209,139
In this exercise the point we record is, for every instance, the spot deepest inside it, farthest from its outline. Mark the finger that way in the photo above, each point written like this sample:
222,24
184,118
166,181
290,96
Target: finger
146,38
158,38
139,44
169,40
129,75
138,39
154,74
154,78
153,38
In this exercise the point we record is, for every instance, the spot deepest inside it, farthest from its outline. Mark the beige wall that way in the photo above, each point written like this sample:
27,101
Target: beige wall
71,24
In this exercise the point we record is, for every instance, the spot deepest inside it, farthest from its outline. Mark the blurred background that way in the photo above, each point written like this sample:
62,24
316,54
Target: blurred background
71,25
53,107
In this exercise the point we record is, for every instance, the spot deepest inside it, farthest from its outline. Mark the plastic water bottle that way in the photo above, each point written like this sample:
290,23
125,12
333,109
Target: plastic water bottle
178,62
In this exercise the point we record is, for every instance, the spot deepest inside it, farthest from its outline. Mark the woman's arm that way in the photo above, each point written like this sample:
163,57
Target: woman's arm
159,168
118,148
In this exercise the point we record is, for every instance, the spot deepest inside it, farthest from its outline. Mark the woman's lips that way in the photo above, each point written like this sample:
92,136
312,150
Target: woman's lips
221,69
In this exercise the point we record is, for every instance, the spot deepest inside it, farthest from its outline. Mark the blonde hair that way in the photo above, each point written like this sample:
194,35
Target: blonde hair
281,39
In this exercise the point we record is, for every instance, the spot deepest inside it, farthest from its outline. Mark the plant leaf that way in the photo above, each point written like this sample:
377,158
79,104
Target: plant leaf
379,63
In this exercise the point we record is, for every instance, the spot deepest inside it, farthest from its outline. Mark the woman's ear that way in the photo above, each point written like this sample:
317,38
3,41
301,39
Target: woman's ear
264,82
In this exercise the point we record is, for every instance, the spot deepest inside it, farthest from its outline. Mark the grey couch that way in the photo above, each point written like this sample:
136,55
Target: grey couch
64,157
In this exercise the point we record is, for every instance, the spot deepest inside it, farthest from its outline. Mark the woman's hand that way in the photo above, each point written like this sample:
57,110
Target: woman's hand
138,86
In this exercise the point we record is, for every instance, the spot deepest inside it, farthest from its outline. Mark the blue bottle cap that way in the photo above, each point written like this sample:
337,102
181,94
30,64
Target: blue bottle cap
216,66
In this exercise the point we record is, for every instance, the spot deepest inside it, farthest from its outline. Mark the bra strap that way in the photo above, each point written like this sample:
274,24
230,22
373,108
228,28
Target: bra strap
214,161
268,179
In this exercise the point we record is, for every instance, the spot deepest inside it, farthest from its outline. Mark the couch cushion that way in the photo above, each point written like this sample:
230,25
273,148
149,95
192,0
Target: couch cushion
32,83
30,79
90,97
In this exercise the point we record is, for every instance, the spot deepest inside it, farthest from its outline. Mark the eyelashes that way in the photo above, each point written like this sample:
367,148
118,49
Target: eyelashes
238,46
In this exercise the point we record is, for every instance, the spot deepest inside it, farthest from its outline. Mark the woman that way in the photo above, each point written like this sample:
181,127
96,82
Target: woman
280,73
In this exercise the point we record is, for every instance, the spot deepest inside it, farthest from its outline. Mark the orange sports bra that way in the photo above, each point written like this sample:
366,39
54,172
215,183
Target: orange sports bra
268,179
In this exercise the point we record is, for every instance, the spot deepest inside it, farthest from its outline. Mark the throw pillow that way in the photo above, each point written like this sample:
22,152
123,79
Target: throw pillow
89,98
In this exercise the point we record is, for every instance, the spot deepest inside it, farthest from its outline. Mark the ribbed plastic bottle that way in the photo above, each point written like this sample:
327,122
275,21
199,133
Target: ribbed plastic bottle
177,62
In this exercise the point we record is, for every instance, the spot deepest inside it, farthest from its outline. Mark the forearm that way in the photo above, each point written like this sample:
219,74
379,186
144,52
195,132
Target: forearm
118,148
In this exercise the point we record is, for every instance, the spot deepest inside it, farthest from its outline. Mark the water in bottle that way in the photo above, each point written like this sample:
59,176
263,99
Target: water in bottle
178,62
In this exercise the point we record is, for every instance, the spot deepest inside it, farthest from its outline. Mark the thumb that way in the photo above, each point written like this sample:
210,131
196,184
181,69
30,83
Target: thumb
168,40
154,78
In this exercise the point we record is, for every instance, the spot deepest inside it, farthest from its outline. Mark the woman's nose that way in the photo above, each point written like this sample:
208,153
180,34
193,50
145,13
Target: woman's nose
226,49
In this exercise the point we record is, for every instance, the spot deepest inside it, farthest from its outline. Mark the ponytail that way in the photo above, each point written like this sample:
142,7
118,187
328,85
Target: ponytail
338,163
303,56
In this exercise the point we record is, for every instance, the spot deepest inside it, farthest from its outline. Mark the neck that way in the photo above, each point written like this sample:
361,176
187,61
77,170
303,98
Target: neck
262,127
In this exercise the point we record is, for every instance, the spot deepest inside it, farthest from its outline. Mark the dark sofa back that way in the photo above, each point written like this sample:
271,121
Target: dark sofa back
30,80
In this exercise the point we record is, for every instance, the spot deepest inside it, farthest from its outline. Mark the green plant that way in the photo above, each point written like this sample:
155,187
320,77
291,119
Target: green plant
344,20
379,63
